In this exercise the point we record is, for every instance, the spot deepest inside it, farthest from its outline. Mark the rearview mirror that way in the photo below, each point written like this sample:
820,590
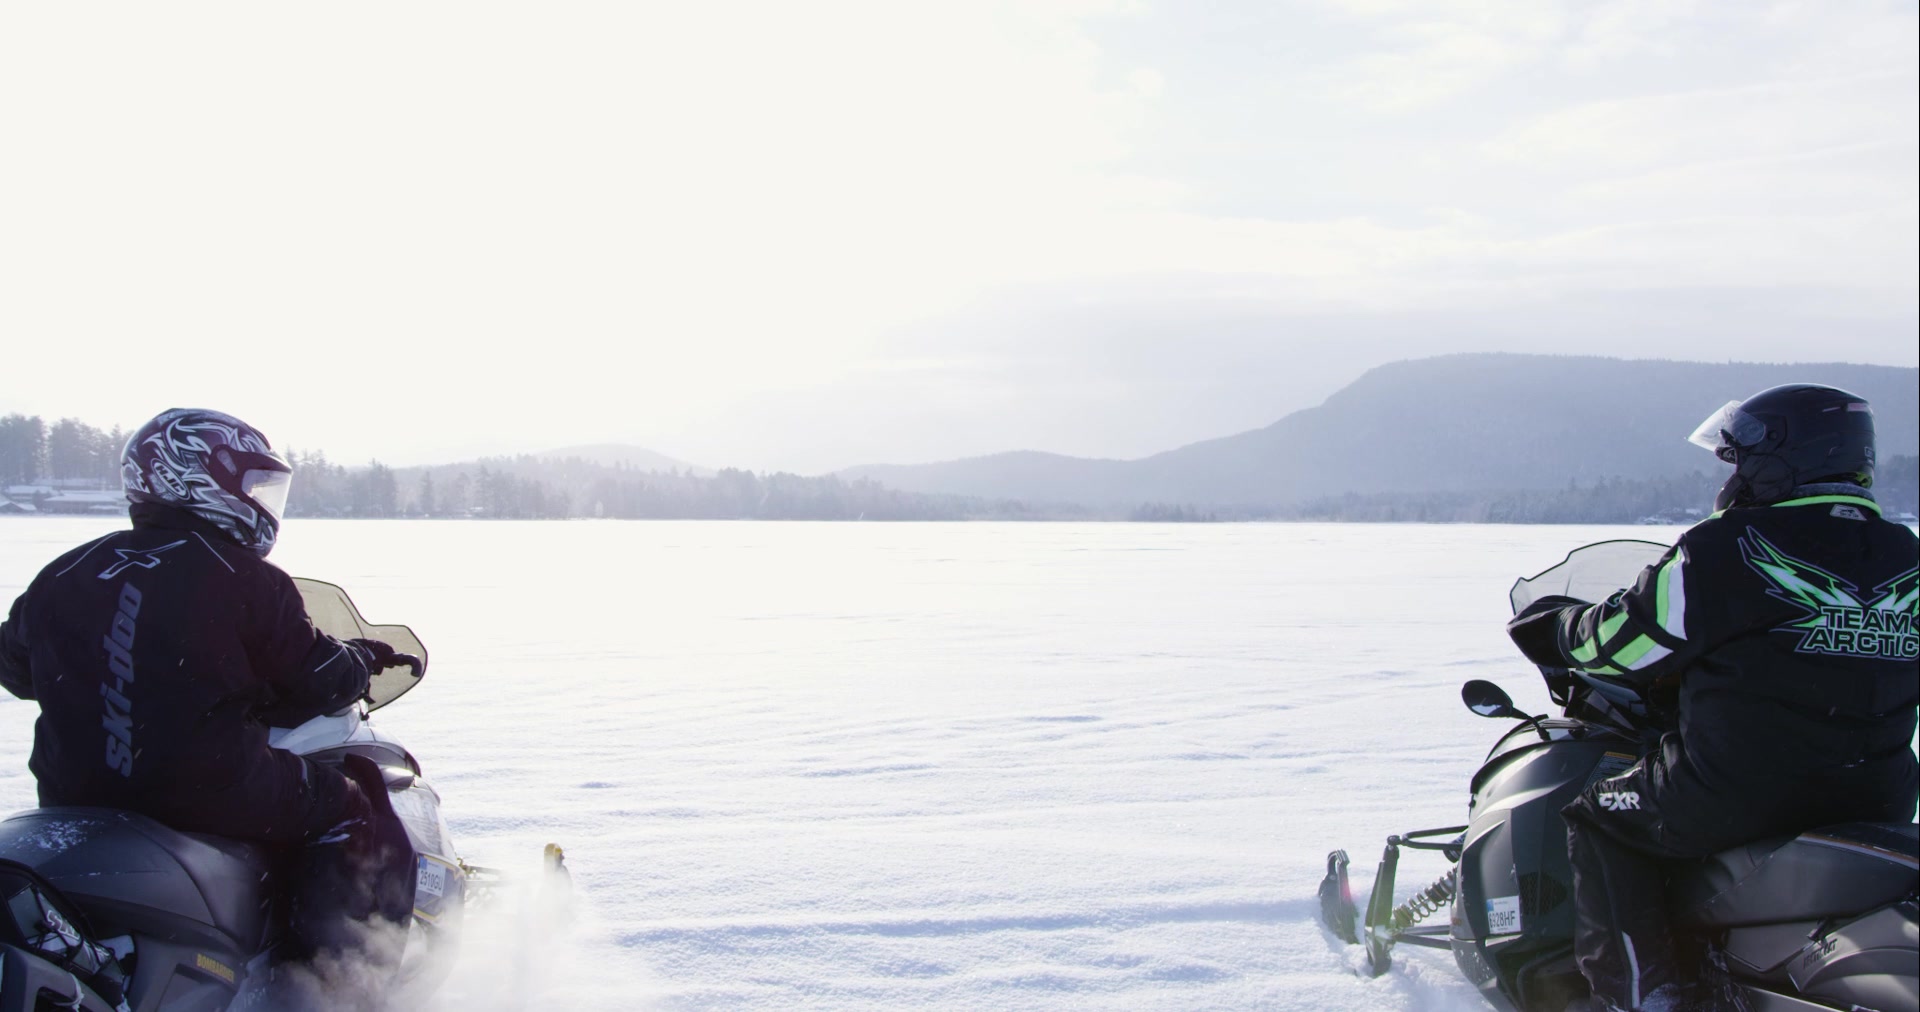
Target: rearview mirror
1489,700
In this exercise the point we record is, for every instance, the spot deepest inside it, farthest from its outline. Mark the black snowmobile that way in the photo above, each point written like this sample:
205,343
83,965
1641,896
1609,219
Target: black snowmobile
1826,920
105,910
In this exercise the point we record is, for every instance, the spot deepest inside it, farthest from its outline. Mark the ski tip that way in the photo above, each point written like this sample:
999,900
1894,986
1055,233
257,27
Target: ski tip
1337,910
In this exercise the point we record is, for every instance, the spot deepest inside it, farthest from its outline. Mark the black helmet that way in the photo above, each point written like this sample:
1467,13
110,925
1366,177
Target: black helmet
214,466
1787,436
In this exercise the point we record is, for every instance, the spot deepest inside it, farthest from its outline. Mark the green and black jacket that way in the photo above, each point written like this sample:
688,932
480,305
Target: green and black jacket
1790,629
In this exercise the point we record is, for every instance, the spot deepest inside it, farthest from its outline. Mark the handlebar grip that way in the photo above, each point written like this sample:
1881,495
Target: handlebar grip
408,661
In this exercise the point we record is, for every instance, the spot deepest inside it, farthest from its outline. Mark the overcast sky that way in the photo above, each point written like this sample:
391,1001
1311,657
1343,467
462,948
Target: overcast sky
811,235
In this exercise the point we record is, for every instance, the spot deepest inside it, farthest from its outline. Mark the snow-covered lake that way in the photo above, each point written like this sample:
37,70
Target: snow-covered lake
953,766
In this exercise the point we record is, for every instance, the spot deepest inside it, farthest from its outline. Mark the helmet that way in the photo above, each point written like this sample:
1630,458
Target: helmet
1787,436
214,466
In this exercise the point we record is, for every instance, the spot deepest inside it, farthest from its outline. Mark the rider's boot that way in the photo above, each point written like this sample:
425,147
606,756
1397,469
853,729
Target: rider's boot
1665,998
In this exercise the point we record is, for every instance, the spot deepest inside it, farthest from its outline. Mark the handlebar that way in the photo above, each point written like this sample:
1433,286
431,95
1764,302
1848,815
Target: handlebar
410,661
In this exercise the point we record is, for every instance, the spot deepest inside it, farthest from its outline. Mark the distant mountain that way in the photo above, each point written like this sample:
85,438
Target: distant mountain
1447,424
632,458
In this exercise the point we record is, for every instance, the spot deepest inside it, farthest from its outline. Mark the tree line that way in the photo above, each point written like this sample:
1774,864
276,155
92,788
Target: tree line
1680,499
72,454
67,451
322,488
531,487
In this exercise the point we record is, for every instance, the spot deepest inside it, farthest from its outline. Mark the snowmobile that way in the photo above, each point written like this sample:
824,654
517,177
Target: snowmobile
104,910
1811,923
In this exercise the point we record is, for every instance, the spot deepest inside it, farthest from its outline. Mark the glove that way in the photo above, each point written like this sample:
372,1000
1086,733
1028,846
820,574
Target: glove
378,655
1536,630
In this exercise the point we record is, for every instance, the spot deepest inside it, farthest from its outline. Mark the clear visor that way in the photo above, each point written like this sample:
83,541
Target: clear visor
1727,428
269,489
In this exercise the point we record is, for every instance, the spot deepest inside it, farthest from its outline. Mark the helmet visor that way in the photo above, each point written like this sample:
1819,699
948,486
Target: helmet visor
1728,428
269,489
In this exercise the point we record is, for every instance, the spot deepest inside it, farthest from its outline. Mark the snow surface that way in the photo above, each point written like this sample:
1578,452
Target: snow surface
956,766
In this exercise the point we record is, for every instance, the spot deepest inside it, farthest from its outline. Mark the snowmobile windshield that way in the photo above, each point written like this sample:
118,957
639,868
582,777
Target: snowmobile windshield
1728,428
269,489
1590,573
333,612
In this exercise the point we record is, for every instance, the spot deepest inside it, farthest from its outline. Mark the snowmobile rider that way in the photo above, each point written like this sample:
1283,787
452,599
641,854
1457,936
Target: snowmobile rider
161,654
1786,623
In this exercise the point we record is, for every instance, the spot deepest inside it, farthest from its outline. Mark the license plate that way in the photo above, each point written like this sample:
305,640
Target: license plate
433,878
1503,915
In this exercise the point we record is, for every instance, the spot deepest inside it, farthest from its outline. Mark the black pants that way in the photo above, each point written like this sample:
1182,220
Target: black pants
1623,833
353,886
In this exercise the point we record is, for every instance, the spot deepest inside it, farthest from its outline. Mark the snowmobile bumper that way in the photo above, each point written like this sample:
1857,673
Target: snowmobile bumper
28,982
1386,924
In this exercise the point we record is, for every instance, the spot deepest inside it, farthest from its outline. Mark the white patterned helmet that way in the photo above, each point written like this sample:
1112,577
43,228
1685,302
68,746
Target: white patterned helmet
214,466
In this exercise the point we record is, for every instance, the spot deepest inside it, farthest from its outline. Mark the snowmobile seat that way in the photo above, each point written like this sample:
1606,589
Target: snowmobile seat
129,873
1835,871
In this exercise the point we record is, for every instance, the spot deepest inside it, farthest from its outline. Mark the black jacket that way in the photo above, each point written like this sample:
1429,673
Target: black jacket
1790,629
158,656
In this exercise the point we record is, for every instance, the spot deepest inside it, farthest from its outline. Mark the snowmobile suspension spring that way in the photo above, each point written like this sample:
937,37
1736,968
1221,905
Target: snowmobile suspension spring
1425,902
